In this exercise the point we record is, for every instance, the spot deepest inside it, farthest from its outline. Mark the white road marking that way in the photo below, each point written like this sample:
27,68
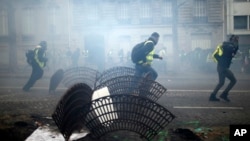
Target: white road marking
199,107
41,88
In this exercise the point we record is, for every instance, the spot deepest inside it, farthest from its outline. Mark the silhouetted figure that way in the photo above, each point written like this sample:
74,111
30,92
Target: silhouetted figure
223,56
38,63
146,54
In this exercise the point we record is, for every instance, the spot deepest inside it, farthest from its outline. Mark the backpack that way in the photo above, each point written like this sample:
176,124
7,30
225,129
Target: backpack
30,56
228,49
136,54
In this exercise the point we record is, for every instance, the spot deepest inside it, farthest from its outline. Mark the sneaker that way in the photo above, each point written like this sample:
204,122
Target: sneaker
213,98
224,97
25,90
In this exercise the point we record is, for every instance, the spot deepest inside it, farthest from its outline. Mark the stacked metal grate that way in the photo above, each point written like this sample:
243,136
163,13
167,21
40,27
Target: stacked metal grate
129,103
126,112
113,73
67,115
135,85
80,75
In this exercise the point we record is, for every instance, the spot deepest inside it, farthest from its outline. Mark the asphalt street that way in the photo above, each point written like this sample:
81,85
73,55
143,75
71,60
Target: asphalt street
181,81
186,97
185,92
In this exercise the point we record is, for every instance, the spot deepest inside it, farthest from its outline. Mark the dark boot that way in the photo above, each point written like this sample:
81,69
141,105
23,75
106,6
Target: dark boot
224,97
26,89
213,97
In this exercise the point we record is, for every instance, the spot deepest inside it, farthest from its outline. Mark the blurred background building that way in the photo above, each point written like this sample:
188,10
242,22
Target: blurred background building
102,28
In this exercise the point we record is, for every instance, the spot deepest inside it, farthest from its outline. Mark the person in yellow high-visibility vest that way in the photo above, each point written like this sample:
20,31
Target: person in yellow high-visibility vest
144,66
223,55
37,64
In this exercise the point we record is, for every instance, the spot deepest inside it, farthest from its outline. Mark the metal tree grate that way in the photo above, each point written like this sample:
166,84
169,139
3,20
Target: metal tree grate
80,75
134,85
67,115
125,112
113,73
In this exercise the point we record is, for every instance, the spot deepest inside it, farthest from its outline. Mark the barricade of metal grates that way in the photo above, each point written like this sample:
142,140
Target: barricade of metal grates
134,85
125,112
113,73
67,115
80,75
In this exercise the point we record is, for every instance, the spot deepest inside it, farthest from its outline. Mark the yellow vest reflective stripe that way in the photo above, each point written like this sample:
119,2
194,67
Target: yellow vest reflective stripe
218,51
149,57
41,64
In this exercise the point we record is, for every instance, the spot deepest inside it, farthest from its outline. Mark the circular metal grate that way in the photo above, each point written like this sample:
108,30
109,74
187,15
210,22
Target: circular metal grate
126,112
67,115
80,75
134,85
113,73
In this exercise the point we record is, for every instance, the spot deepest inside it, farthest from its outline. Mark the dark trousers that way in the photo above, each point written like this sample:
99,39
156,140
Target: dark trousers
223,74
140,70
37,73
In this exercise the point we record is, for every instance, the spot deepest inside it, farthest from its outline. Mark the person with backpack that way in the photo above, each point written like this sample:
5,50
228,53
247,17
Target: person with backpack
223,56
143,54
38,62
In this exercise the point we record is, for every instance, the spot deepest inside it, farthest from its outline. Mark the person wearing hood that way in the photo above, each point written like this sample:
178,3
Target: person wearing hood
148,50
223,55
38,63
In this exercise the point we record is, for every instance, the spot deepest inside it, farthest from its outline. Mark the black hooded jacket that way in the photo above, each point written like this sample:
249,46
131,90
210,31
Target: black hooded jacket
229,51
149,47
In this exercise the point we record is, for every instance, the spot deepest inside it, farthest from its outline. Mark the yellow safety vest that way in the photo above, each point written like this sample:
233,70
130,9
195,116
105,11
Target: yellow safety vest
149,57
40,63
218,51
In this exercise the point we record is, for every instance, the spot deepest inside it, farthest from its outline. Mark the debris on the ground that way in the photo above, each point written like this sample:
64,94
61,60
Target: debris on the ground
186,134
46,133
